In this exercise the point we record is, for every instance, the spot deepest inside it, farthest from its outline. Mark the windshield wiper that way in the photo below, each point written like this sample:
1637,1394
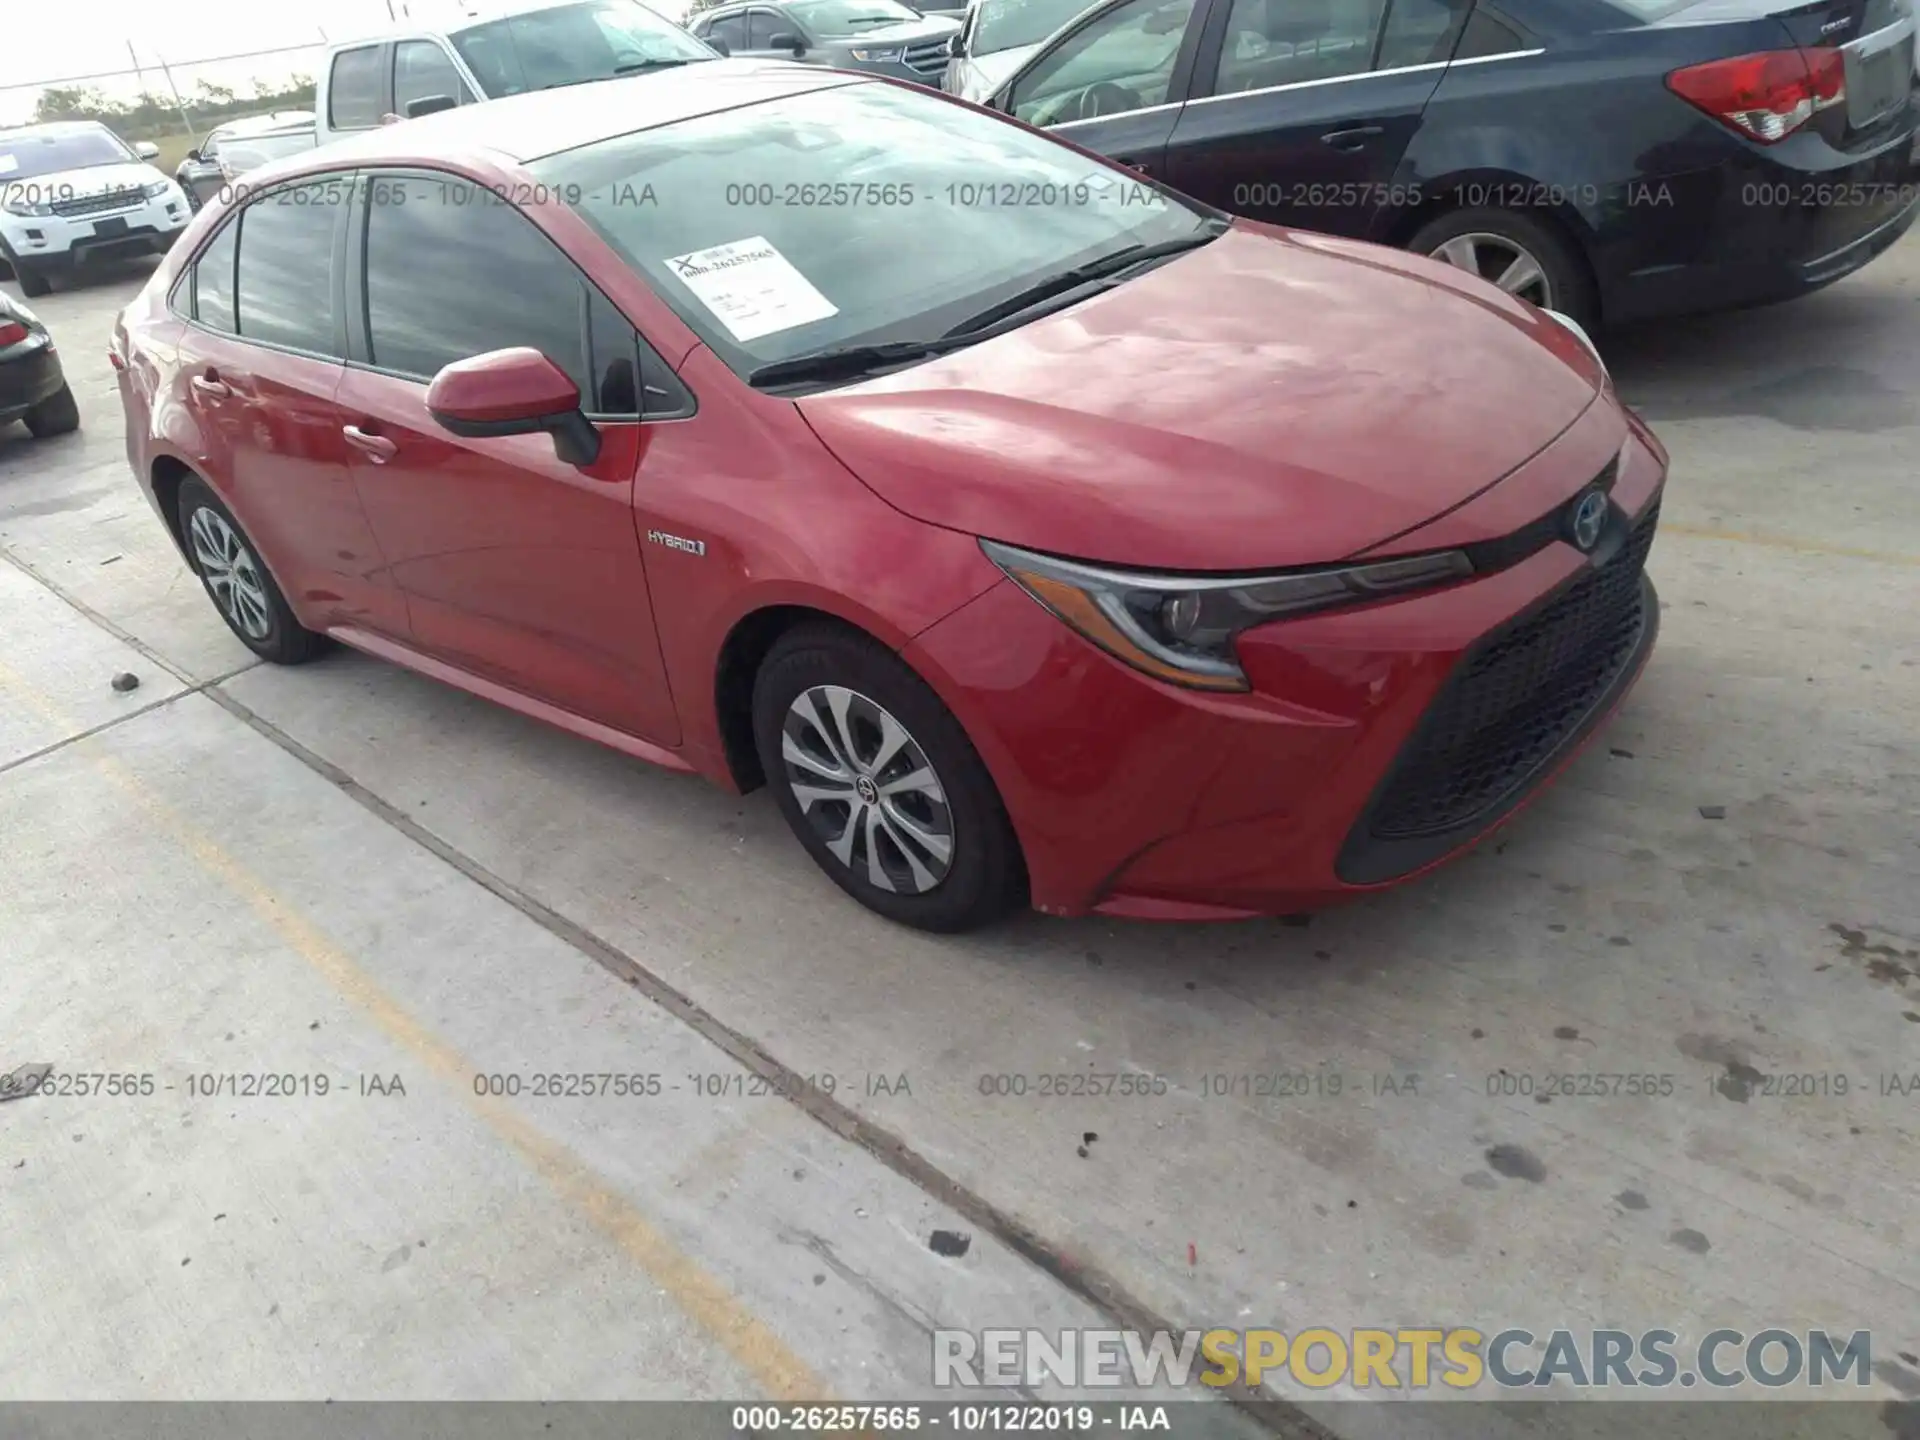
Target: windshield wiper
851,361
635,67
1102,268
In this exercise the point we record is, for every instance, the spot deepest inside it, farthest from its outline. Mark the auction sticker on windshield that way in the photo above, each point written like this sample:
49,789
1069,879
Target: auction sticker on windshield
751,288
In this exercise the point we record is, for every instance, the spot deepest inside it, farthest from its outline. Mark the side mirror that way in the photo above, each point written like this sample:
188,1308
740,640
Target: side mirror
430,105
513,392
147,150
956,47
194,156
787,40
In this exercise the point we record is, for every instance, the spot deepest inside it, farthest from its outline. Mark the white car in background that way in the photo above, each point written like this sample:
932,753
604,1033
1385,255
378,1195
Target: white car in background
996,40
73,192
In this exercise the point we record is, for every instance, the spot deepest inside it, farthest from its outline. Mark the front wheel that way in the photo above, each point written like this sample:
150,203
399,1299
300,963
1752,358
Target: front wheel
238,582
34,282
1522,255
881,785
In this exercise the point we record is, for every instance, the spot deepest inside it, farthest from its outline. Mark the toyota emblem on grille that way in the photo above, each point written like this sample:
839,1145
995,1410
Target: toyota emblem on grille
1587,519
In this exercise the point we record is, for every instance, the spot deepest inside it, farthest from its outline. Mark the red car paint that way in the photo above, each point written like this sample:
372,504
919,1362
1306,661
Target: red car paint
1271,400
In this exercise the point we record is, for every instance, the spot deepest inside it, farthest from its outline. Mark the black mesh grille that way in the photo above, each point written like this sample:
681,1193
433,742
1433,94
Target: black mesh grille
99,204
1516,698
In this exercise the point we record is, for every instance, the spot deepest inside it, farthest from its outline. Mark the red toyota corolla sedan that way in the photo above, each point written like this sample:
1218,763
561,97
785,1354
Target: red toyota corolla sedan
1035,533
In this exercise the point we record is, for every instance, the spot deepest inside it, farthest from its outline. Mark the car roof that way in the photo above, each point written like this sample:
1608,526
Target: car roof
545,122
469,12
52,127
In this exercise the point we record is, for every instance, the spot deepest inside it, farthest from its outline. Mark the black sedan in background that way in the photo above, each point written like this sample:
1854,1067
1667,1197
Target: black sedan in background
1611,159
32,386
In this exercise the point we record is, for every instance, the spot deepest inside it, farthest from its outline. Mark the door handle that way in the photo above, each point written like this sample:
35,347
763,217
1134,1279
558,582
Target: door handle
1354,137
377,448
211,387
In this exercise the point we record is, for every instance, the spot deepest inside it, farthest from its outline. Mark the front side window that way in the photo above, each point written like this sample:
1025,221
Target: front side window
730,28
421,71
568,44
353,89
1122,61
455,271
213,281
1285,42
284,291
25,155
1006,24
859,214
849,17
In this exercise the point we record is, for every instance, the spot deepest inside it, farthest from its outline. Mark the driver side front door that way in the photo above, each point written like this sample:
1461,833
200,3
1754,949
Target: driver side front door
1115,83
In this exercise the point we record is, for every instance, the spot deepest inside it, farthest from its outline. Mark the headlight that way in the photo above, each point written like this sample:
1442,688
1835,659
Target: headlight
1580,334
28,207
1181,628
156,189
879,57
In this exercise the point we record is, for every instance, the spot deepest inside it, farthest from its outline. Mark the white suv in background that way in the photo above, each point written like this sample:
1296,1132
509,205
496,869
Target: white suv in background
73,192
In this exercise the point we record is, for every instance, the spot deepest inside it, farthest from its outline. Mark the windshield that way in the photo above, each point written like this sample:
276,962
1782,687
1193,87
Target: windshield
571,43
862,214
1003,24
24,156
848,17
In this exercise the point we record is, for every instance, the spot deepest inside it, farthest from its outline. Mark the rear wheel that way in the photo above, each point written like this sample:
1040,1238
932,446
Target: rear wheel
58,414
881,785
238,582
1522,255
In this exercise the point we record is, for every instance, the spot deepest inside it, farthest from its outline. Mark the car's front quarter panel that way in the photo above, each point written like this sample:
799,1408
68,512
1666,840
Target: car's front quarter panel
741,509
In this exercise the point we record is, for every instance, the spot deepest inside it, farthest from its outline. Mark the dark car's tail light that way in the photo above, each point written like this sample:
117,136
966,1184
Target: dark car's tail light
1768,96
12,332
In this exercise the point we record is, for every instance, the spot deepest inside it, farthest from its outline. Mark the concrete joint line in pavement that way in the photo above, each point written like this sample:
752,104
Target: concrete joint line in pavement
1786,542
702,1298
1280,1418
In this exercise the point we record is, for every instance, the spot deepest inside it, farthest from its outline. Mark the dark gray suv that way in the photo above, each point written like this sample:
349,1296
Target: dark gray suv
882,37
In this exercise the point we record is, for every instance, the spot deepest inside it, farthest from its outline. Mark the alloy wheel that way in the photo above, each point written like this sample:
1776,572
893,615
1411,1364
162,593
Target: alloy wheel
867,789
1500,261
231,573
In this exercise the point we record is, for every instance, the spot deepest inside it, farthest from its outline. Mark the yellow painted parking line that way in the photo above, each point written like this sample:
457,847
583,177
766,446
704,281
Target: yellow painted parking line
1787,542
702,1298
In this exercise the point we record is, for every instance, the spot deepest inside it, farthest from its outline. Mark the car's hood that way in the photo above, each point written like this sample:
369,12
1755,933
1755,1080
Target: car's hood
1274,398
904,32
978,76
94,180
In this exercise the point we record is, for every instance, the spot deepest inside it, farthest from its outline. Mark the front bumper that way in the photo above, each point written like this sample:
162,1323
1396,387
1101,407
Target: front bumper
1136,798
56,241
29,374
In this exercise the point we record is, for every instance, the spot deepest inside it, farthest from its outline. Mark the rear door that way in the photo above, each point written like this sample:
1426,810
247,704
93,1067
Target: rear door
1302,109
517,567
1114,82
262,362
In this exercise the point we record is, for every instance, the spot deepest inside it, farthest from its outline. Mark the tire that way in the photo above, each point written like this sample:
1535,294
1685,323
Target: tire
1565,282
825,689
58,414
34,282
250,600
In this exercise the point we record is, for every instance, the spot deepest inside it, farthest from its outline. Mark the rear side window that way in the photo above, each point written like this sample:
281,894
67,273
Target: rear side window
1286,42
213,281
284,291
1489,35
421,69
353,89
1421,32
453,271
